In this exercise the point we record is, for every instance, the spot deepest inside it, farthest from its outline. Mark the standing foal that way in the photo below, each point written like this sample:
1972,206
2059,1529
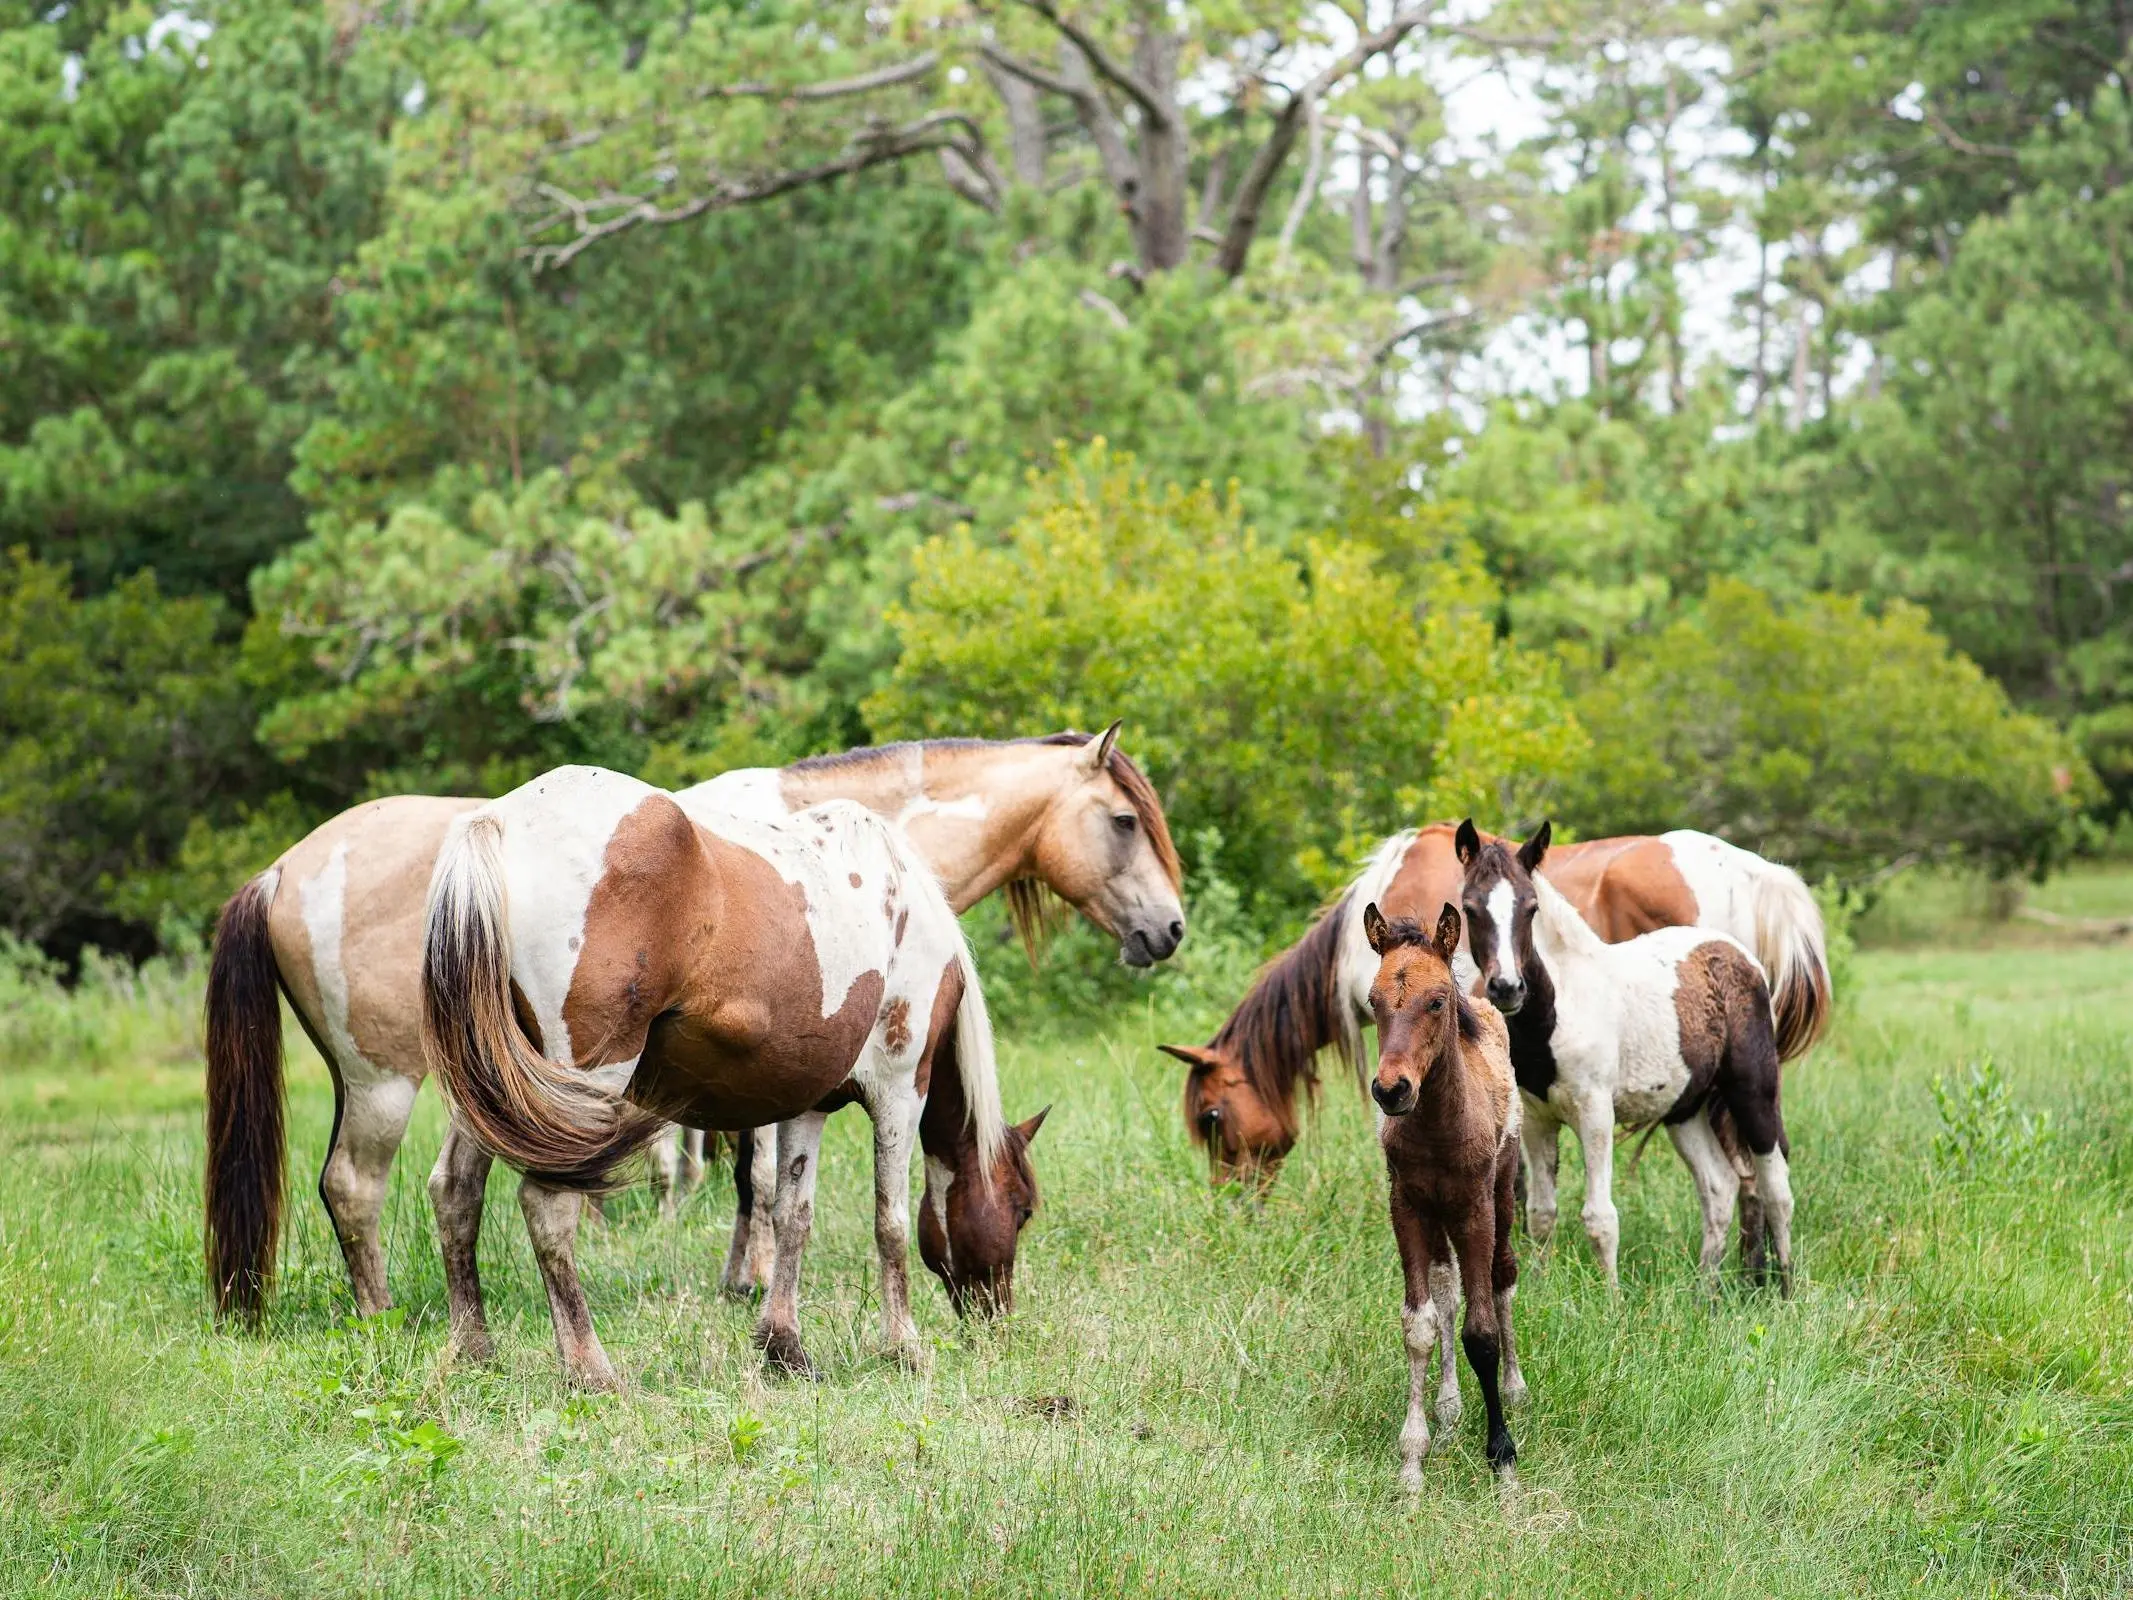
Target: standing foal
1450,1134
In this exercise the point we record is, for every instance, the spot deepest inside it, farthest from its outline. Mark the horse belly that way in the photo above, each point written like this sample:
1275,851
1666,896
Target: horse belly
1652,1072
744,1066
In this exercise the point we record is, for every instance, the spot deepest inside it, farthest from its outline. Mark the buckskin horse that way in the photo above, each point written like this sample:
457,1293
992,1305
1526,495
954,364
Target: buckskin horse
336,925
1450,1136
1240,1098
597,961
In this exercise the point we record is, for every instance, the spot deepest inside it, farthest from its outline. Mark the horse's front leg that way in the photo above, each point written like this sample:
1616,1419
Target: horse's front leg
1596,1135
552,1224
895,1112
792,1214
1422,1247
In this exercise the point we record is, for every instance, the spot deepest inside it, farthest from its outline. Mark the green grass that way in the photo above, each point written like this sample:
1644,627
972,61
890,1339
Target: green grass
1946,1407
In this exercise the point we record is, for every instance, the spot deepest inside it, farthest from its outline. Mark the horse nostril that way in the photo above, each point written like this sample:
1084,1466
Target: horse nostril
1209,1120
1177,933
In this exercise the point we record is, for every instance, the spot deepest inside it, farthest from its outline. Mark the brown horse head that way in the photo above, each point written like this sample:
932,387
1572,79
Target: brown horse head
1247,1128
1416,1003
1497,894
1104,847
968,1226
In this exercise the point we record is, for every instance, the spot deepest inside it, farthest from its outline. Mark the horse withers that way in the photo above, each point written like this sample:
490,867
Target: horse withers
1450,1136
1672,1028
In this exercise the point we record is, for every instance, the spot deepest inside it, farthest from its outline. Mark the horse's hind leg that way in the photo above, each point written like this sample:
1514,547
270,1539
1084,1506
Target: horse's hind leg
1444,1295
1773,1177
1504,1277
457,1185
370,1121
1712,1170
552,1224
1540,1138
692,1159
752,1254
663,1159
777,1331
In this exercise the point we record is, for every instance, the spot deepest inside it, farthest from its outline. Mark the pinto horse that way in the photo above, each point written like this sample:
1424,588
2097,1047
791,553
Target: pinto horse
1450,1136
1241,1093
1667,1028
336,924
596,960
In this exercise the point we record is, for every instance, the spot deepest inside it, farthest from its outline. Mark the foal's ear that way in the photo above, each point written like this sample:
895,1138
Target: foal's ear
1531,852
1096,754
1447,932
1028,1129
1374,927
1467,842
1192,1055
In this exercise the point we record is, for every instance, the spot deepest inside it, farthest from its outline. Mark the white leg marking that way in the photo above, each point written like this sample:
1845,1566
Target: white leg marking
1539,1137
895,1133
1444,1296
1419,1324
1596,1136
1773,1180
1514,1381
1717,1187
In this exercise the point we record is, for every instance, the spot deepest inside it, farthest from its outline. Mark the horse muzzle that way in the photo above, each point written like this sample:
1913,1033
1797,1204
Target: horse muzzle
1395,1099
1506,997
1151,942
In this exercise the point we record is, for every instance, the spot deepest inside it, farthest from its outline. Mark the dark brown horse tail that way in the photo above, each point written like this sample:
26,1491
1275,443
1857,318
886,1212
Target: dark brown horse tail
545,1119
1789,942
244,1103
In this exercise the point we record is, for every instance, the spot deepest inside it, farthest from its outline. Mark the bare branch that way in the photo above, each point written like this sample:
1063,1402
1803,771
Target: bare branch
1956,142
608,213
1094,115
1307,190
1107,307
1434,327
1159,114
865,83
1251,194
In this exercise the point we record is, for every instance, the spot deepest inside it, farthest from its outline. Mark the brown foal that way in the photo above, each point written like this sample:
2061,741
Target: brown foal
1450,1134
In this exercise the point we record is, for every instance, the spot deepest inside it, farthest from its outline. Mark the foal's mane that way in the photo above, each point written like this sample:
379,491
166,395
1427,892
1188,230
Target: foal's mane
1406,932
1032,908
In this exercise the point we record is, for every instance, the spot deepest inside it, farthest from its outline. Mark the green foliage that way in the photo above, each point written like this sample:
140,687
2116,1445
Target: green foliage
122,717
1981,1131
1299,702
1823,736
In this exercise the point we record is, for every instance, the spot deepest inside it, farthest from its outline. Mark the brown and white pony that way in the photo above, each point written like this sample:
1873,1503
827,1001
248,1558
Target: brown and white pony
596,959
1241,1093
336,925
1450,1136
1670,1029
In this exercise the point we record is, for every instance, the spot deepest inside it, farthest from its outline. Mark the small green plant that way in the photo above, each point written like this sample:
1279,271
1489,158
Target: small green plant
745,1435
400,1450
1981,1131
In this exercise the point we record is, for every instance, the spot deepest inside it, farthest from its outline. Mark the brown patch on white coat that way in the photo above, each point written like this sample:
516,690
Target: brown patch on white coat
1450,1136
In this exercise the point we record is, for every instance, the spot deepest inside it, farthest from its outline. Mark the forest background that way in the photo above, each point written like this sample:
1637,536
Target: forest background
405,397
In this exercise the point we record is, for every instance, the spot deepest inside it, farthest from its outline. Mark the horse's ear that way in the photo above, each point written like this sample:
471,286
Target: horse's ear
1534,849
1193,1056
1096,754
1374,927
1028,1129
1467,842
1447,931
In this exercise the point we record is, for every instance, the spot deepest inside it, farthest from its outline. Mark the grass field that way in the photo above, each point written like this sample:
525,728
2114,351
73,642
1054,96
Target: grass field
1196,1395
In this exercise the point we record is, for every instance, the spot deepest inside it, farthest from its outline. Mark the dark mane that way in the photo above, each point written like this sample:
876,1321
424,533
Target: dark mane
1405,933
1292,1011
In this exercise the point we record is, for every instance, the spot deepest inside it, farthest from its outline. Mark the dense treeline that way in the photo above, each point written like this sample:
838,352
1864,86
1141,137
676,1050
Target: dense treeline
413,397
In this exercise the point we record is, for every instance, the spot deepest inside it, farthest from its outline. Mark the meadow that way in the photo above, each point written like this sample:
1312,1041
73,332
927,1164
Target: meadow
1197,1394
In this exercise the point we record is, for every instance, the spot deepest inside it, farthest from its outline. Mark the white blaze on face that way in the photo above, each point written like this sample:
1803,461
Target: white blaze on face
1503,912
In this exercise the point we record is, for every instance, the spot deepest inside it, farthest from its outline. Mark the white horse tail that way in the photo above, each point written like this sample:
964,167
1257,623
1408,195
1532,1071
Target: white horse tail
1790,943
541,1117
975,1060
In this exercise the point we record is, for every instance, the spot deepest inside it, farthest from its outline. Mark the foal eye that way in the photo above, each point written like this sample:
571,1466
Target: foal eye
1125,822
1437,1004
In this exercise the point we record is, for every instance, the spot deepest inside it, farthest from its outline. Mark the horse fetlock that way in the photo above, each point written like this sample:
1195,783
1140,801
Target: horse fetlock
782,1351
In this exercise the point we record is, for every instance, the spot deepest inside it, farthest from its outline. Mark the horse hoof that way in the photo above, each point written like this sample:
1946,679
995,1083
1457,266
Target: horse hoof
739,1289
598,1377
1514,1392
1411,1475
783,1354
1450,1408
474,1349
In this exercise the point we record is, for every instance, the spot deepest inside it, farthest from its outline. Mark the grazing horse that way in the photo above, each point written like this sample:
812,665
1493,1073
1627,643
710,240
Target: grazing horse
1450,1135
337,925
1666,1028
1241,1093
596,959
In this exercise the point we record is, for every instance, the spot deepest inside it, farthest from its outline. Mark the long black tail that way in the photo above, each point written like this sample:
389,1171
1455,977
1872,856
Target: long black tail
245,1141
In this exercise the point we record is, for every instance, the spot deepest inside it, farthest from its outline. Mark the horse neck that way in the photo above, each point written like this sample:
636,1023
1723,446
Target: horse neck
944,1130
1446,1092
972,809
1561,937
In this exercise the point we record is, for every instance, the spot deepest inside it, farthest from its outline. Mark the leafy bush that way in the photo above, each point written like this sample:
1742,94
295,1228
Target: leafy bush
1302,703
1826,737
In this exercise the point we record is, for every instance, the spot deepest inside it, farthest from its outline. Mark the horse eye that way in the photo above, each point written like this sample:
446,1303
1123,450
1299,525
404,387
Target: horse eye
1125,822
1437,1004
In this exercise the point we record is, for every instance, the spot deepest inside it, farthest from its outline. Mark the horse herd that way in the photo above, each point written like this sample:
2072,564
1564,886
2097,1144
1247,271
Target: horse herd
588,961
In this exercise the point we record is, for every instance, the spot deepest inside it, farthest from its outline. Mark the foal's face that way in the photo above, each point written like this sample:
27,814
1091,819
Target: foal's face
1499,901
1246,1138
968,1229
1099,849
1415,1002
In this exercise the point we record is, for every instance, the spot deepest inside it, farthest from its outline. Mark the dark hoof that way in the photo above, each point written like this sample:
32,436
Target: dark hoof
782,1353
1503,1454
